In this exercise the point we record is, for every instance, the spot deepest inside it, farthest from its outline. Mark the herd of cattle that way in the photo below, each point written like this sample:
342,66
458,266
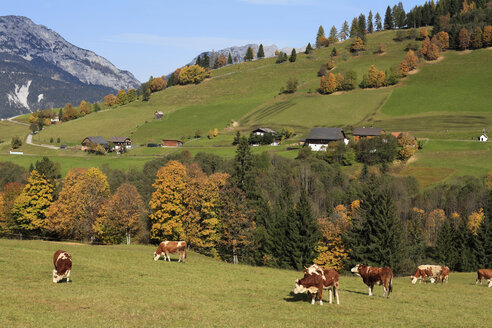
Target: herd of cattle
315,279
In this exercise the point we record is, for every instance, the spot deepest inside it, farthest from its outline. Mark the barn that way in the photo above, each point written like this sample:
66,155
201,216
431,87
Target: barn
319,138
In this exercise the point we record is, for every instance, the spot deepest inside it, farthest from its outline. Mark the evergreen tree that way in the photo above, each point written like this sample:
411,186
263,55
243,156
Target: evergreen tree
205,60
370,25
344,31
376,234
388,19
379,26
249,54
216,63
261,53
48,169
354,28
198,61
146,93
293,55
243,165
333,35
445,249
229,59
319,35
399,16
362,27
309,49
302,234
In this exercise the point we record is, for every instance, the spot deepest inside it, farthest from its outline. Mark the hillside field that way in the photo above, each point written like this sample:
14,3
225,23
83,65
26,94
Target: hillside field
122,286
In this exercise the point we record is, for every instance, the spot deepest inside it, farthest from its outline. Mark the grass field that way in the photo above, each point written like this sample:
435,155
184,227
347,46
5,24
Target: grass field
121,286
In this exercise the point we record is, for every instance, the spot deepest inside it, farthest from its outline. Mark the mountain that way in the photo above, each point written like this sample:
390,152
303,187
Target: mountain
39,69
240,52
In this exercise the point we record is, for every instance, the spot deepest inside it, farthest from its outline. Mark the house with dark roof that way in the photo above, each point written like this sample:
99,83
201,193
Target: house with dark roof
361,133
319,138
88,141
121,143
263,131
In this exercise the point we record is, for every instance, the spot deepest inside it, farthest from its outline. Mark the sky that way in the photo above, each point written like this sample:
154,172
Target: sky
154,37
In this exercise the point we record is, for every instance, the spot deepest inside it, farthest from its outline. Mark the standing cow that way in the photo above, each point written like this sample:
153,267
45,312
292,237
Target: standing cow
63,265
434,272
167,247
375,276
315,281
484,274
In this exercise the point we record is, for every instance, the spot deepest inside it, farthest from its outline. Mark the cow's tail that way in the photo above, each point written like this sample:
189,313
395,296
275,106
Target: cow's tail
390,287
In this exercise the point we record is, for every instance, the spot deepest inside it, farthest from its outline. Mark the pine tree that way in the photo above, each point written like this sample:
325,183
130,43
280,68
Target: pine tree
229,59
205,60
362,27
293,55
476,38
309,49
261,53
379,26
319,36
344,31
243,165
445,249
400,16
198,61
249,54
354,28
333,35
388,19
370,25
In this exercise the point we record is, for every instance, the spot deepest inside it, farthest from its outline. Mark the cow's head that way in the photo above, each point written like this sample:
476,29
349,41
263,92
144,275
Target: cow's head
355,269
416,276
299,288
56,276
156,256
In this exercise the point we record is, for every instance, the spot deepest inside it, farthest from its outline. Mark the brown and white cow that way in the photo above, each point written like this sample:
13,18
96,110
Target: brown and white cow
63,265
434,272
316,281
375,276
484,274
167,247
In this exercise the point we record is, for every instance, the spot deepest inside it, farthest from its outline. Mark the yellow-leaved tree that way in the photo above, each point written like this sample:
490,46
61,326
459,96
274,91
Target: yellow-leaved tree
192,74
166,204
75,212
475,220
31,207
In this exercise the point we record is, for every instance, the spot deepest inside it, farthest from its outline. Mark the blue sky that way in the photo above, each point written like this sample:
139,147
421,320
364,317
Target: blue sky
153,37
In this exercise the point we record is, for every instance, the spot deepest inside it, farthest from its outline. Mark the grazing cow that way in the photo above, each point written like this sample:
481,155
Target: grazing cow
434,272
63,264
375,276
315,283
484,273
167,247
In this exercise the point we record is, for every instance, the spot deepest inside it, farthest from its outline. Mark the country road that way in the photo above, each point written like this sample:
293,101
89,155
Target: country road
29,142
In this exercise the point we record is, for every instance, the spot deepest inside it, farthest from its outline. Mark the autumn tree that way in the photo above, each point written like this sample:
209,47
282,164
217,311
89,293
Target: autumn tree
120,216
192,74
109,101
443,38
75,212
328,84
357,45
84,108
409,63
432,52
121,97
69,113
381,48
30,208
423,33
463,39
487,36
8,196
474,221
408,146
158,84
261,52
132,95
249,54
320,37
222,60
166,204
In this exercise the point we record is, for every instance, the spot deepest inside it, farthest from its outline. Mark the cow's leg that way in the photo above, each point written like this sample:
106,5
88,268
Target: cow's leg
313,300
320,295
330,291
336,295
384,290
490,282
370,290
68,276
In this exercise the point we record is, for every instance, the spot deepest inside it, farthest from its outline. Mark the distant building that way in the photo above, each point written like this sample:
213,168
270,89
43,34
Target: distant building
55,120
263,131
171,143
361,133
319,138
94,140
158,115
483,137
121,143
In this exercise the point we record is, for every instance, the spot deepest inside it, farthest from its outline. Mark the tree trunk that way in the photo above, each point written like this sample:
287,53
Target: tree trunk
128,237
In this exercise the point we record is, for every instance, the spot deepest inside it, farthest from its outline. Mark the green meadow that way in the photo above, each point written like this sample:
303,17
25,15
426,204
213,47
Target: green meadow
121,286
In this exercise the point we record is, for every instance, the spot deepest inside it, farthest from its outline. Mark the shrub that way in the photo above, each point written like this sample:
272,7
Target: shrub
16,142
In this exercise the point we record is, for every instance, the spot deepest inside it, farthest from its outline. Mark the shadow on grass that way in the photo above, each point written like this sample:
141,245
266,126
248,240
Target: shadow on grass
353,291
297,297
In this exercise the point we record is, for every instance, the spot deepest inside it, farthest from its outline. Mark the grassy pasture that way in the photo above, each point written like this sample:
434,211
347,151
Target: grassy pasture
122,286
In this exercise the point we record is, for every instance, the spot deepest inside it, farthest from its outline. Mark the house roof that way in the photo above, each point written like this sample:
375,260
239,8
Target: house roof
171,140
119,139
325,134
265,130
98,140
367,131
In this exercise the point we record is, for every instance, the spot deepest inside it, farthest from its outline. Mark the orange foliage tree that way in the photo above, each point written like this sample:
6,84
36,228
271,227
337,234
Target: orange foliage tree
7,198
158,84
463,39
487,36
166,204
328,84
408,146
423,33
425,46
357,45
120,216
109,100
75,212
443,38
432,52
69,113
433,223
222,61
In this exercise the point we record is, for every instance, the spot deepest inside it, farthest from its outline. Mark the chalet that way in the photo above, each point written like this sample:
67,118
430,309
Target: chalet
94,140
263,131
158,115
55,120
483,137
361,133
171,143
121,143
319,138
